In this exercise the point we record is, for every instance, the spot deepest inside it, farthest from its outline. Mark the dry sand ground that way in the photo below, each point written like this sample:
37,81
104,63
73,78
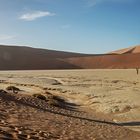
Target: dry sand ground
105,105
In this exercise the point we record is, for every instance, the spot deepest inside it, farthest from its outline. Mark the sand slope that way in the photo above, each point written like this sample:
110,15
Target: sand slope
115,61
135,49
26,58
23,58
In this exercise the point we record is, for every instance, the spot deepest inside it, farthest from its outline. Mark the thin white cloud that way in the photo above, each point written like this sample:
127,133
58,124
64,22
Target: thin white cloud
66,26
91,3
35,15
7,37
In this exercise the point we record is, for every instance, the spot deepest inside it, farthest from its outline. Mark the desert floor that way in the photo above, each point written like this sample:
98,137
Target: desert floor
102,105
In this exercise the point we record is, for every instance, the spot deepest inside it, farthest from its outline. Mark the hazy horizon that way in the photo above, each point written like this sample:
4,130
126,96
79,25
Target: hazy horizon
84,26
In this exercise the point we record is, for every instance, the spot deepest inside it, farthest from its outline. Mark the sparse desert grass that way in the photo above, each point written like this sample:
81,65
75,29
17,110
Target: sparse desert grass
2,91
53,102
54,97
13,89
51,99
47,93
57,83
39,96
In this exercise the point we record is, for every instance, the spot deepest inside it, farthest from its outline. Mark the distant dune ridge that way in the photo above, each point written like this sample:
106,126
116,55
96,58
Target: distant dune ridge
27,58
135,49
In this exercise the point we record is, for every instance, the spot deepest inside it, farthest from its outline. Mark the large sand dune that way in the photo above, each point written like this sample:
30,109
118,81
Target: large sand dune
113,61
135,49
120,59
26,58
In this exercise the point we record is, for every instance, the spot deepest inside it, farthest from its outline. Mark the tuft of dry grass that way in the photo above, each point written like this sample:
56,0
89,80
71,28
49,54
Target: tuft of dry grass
2,91
39,96
53,102
51,99
13,89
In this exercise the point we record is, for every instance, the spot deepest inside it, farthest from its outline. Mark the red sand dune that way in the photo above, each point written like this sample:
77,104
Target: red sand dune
125,58
135,49
26,58
107,61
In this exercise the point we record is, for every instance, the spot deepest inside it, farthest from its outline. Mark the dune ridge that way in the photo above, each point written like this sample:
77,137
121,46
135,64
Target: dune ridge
135,49
27,58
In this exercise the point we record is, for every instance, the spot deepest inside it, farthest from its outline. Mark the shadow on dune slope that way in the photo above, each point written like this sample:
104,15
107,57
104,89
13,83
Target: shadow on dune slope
26,58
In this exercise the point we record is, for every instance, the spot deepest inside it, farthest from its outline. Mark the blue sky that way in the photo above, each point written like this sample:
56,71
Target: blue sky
88,26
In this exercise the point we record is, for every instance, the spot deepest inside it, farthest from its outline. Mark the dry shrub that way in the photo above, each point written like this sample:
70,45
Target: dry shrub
2,91
39,96
13,88
51,99
54,97
53,102
48,93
